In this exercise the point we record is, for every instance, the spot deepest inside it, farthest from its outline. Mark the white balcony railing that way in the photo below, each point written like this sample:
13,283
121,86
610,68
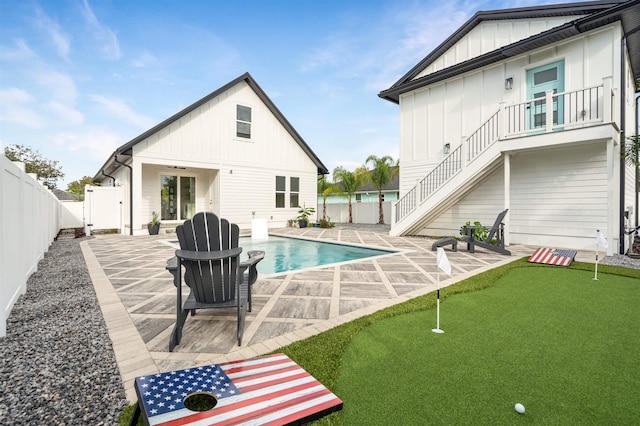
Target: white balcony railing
552,113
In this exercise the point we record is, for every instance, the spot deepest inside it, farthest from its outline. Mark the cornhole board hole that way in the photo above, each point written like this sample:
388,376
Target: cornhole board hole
550,256
265,390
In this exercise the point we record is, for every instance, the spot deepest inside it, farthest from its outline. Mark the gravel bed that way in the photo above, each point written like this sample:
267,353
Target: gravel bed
621,260
57,365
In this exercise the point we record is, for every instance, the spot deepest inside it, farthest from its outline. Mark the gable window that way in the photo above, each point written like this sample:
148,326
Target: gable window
243,121
281,189
177,197
294,192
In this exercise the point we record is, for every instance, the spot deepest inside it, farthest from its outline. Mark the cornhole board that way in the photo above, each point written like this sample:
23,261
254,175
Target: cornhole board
269,390
550,256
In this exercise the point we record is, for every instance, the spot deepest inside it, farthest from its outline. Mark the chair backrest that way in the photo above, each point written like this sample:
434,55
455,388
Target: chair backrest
210,281
496,226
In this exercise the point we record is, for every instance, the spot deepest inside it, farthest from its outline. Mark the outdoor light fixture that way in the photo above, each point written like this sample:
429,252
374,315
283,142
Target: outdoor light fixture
447,148
508,83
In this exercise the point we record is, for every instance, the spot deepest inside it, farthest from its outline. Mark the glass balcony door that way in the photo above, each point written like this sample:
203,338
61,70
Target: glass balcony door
539,80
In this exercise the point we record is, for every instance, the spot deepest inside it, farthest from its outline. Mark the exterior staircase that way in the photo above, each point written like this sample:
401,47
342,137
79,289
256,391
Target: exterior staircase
482,153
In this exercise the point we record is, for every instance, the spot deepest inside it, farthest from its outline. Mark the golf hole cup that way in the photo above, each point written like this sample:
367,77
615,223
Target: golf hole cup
519,408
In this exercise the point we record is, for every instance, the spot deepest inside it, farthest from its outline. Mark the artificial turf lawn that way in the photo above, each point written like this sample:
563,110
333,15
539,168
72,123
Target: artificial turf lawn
565,346
322,355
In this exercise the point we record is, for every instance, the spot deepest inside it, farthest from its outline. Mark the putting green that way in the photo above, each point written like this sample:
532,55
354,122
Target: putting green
565,346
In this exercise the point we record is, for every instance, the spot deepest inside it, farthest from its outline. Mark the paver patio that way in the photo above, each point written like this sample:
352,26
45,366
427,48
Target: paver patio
137,296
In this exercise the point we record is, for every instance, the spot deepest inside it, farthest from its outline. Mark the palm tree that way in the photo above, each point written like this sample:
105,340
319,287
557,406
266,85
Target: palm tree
380,172
348,183
326,188
631,153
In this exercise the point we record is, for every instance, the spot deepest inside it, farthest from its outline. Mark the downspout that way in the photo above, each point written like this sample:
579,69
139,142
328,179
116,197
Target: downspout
109,176
623,94
115,158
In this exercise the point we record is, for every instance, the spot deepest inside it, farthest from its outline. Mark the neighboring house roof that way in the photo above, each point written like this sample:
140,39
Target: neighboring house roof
125,149
599,13
64,195
393,185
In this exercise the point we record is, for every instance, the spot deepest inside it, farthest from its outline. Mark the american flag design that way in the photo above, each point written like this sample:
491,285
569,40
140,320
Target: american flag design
165,392
549,256
270,390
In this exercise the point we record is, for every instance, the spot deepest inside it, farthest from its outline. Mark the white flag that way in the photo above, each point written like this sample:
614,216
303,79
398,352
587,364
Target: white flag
442,261
601,240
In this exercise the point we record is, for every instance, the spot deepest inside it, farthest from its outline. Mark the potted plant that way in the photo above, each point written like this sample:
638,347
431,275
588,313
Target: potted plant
154,225
303,216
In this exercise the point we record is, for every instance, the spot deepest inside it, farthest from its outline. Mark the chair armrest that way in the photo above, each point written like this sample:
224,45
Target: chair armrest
172,264
255,256
208,255
249,266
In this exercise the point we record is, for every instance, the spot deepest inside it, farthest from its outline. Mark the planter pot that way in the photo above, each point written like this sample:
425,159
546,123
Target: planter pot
153,229
302,223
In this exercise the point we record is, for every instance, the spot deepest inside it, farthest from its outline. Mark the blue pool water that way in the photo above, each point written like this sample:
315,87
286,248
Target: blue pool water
289,254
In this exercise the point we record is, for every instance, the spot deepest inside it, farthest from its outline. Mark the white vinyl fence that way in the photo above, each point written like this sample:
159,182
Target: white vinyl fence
365,213
29,222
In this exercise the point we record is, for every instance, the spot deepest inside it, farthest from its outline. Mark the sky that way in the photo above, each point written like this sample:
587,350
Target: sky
79,78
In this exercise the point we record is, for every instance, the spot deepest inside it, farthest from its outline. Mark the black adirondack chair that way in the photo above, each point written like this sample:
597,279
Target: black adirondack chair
496,232
210,256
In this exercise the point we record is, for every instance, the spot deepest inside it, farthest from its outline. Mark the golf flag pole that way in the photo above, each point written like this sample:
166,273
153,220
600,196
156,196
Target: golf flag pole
600,241
443,264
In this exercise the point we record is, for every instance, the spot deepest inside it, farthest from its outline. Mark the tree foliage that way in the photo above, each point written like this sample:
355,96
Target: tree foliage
348,183
77,186
47,171
380,172
326,188
631,153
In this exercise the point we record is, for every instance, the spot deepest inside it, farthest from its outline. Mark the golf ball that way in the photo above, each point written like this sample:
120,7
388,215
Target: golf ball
520,408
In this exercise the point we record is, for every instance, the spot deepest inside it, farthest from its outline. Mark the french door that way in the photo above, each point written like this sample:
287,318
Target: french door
177,197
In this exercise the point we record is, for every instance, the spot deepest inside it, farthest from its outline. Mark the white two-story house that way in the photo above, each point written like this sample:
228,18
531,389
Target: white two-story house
232,153
524,109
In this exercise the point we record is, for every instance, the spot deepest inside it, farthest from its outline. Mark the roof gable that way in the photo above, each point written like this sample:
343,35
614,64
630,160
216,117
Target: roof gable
581,17
126,149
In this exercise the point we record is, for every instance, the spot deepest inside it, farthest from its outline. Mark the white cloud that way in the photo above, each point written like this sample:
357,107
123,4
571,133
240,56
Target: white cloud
17,106
93,143
103,34
64,114
145,60
59,38
119,109
18,51
61,86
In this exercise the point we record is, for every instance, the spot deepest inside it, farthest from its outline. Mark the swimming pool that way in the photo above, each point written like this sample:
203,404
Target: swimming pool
284,254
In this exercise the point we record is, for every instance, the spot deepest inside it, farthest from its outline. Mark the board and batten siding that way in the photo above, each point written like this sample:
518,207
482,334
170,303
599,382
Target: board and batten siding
491,35
559,197
450,111
207,135
235,177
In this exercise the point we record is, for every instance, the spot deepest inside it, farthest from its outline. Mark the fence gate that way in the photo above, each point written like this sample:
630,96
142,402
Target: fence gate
103,208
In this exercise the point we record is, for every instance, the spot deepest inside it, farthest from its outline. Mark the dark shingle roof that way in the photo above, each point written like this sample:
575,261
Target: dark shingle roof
598,13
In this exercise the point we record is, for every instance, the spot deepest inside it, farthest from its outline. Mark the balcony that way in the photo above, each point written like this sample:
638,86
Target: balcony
556,118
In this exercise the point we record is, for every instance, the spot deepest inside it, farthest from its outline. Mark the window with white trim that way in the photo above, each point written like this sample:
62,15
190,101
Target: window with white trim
281,190
243,121
294,192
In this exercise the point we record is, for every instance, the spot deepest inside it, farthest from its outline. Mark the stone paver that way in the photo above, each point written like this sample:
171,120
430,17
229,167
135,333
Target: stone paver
137,296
